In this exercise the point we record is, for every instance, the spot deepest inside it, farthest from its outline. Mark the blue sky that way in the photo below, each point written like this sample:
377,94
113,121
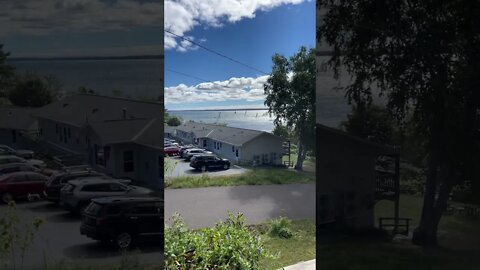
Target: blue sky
57,28
281,28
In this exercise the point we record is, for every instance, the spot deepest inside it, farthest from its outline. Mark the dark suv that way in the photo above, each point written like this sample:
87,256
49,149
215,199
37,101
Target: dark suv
58,180
206,162
124,221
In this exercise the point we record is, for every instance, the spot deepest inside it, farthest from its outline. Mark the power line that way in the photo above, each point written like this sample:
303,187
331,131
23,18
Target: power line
217,53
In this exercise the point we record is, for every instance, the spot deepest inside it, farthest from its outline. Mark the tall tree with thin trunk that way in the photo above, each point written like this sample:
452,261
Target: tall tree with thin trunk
290,97
7,73
423,57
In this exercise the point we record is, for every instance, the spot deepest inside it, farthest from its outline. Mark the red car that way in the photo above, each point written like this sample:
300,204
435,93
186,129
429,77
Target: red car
171,151
21,185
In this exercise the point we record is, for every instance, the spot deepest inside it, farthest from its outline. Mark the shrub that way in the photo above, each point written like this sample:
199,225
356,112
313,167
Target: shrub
227,245
280,227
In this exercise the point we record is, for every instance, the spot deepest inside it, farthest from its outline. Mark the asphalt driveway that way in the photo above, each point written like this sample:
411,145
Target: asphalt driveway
204,207
182,168
59,239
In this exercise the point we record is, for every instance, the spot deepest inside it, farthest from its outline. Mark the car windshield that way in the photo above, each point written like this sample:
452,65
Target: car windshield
94,208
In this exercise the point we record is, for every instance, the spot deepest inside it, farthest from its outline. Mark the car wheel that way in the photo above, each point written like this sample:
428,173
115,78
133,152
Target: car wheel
7,197
203,168
124,240
226,166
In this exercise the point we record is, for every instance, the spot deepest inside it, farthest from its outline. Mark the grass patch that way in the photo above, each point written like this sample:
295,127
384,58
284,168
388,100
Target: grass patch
458,237
255,176
300,247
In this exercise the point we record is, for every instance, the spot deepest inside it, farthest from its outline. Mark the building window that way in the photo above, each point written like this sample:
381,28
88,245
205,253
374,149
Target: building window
65,134
233,148
236,153
128,164
14,136
69,133
56,128
204,143
221,145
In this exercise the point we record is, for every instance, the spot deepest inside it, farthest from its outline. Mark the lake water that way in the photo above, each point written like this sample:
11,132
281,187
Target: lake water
252,119
132,77
136,78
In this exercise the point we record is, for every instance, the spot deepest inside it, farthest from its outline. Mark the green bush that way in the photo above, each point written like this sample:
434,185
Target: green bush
227,245
280,227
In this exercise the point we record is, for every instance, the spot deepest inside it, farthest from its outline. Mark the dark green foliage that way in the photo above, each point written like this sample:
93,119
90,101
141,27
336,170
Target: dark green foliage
228,245
370,122
281,131
292,100
174,121
31,90
423,57
281,227
6,73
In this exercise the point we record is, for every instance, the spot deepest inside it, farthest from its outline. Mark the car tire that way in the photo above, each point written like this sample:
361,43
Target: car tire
7,197
123,240
203,168
226,166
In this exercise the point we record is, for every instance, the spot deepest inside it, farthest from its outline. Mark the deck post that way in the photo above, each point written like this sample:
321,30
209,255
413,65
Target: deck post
397,191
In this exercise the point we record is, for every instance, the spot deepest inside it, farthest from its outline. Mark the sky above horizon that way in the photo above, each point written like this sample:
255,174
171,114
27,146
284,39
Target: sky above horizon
63,28
249,31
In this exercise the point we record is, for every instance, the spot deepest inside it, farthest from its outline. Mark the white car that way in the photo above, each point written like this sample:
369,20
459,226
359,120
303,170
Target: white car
14,159
7,150
188,154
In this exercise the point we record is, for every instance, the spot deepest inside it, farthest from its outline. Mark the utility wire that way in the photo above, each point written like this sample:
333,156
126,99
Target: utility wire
217,53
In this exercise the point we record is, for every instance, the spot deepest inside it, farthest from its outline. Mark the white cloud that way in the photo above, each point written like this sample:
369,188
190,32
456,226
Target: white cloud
34,17
181,16
243,88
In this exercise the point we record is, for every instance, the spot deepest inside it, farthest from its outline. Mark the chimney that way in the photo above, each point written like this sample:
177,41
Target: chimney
124,110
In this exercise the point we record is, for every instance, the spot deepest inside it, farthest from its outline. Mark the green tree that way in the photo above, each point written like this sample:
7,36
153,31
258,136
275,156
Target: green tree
290,97
424,58
174,121
281,131
6,73
370,122
31,90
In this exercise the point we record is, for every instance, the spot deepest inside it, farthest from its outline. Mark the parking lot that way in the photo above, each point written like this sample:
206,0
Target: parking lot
182,168
59,240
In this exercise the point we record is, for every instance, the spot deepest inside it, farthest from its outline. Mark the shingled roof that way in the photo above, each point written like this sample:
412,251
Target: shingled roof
18,118
75,110
230,135
114,120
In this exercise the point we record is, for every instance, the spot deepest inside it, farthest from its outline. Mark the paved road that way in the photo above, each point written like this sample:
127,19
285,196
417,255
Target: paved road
59,239
182,168
203,207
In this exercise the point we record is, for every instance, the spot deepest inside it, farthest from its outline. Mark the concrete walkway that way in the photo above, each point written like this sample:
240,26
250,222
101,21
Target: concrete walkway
308,265
204,207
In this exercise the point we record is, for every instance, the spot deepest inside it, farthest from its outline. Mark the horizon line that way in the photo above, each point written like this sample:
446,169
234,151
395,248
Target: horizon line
123,57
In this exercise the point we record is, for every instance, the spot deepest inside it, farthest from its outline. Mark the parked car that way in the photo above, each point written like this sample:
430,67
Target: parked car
124,221
7,150
20,185
205,162
76,194
171,151
185,148
194,151
23,167
14,159
56,182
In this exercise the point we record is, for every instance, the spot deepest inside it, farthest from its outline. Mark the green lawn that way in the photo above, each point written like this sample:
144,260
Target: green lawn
255,176
459,241
299,248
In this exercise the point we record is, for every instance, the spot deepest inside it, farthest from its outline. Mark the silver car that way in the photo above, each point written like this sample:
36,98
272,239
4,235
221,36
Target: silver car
14,159
194,151
76,195
7,150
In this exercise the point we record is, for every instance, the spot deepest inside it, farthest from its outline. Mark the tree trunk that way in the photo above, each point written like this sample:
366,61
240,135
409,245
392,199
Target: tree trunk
426,232
300,157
